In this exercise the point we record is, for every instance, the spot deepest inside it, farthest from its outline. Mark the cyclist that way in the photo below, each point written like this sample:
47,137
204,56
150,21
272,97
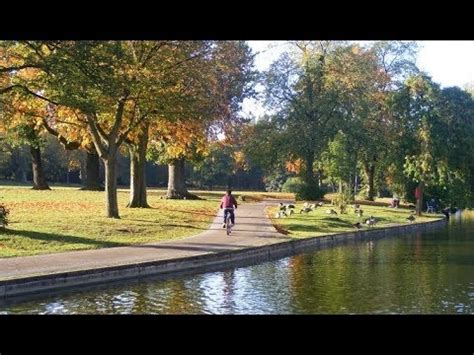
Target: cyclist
227,203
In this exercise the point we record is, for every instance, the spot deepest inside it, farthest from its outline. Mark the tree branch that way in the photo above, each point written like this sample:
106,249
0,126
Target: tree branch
66,144
101,149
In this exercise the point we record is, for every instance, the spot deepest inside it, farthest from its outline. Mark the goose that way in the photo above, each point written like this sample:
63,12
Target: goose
370,221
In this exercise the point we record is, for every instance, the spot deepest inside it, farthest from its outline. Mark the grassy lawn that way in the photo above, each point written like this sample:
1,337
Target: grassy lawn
65,219
318,222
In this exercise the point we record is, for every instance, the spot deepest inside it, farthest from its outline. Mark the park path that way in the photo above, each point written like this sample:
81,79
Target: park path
252,229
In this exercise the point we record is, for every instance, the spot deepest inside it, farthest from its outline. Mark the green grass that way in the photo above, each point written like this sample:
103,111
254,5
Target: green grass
319,223
65,219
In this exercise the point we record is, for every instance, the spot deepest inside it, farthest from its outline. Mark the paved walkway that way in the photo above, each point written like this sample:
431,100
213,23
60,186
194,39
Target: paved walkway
252,229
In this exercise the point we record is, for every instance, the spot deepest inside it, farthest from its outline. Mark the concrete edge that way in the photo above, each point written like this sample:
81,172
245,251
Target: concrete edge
199,263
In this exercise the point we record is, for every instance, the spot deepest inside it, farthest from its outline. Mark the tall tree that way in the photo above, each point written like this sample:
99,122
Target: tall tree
305,90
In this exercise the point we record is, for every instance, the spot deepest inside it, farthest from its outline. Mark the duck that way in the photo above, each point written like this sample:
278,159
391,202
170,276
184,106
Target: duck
357,225
411,218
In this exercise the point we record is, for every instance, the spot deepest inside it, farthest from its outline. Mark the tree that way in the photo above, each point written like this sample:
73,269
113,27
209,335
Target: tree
426,164
307,89
72,134
374,73
19,116
340,160
110,85
208,108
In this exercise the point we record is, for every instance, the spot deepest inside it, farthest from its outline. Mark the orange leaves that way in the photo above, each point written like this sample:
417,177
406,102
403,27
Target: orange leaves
294,166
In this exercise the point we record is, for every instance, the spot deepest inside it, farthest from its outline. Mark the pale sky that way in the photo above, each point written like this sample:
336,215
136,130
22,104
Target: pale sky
449,63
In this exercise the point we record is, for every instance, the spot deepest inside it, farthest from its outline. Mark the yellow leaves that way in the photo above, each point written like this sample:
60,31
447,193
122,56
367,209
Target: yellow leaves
74,164
239,159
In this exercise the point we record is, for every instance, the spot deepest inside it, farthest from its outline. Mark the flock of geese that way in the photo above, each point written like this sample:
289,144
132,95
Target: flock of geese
287,210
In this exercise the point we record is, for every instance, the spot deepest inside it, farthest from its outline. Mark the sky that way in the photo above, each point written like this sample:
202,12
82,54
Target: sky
449,63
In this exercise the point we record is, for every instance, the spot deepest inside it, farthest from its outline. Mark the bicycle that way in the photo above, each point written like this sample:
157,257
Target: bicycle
228,222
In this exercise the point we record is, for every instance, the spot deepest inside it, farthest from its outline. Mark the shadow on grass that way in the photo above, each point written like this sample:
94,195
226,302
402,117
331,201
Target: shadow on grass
327,225
61,238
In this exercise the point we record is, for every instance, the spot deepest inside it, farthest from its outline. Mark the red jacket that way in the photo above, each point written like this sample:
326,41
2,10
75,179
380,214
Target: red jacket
228,201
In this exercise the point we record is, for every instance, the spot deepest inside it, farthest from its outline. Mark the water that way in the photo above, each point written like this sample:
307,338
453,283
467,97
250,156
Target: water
422,273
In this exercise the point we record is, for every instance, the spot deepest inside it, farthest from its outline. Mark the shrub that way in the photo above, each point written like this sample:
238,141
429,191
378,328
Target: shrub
308,193
292,184
343,199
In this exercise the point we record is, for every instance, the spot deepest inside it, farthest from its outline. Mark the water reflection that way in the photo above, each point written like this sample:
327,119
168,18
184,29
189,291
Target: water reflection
427,273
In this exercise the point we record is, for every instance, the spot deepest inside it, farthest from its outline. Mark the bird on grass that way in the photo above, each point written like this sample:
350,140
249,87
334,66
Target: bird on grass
411,218
286,207
331,211
370,221
357,225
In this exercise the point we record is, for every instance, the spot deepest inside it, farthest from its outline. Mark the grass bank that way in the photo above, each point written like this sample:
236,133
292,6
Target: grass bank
319,223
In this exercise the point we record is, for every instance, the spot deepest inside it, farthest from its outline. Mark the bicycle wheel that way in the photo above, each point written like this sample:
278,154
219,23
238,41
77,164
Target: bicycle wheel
229,226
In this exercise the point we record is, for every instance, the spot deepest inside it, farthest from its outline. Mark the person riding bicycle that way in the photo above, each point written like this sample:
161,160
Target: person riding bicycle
227,203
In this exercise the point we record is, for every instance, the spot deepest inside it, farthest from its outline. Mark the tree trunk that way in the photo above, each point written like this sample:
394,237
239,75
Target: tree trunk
39,181
309,178
355,184
370,172
176,184
111,187
138,171
92,177
419,201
